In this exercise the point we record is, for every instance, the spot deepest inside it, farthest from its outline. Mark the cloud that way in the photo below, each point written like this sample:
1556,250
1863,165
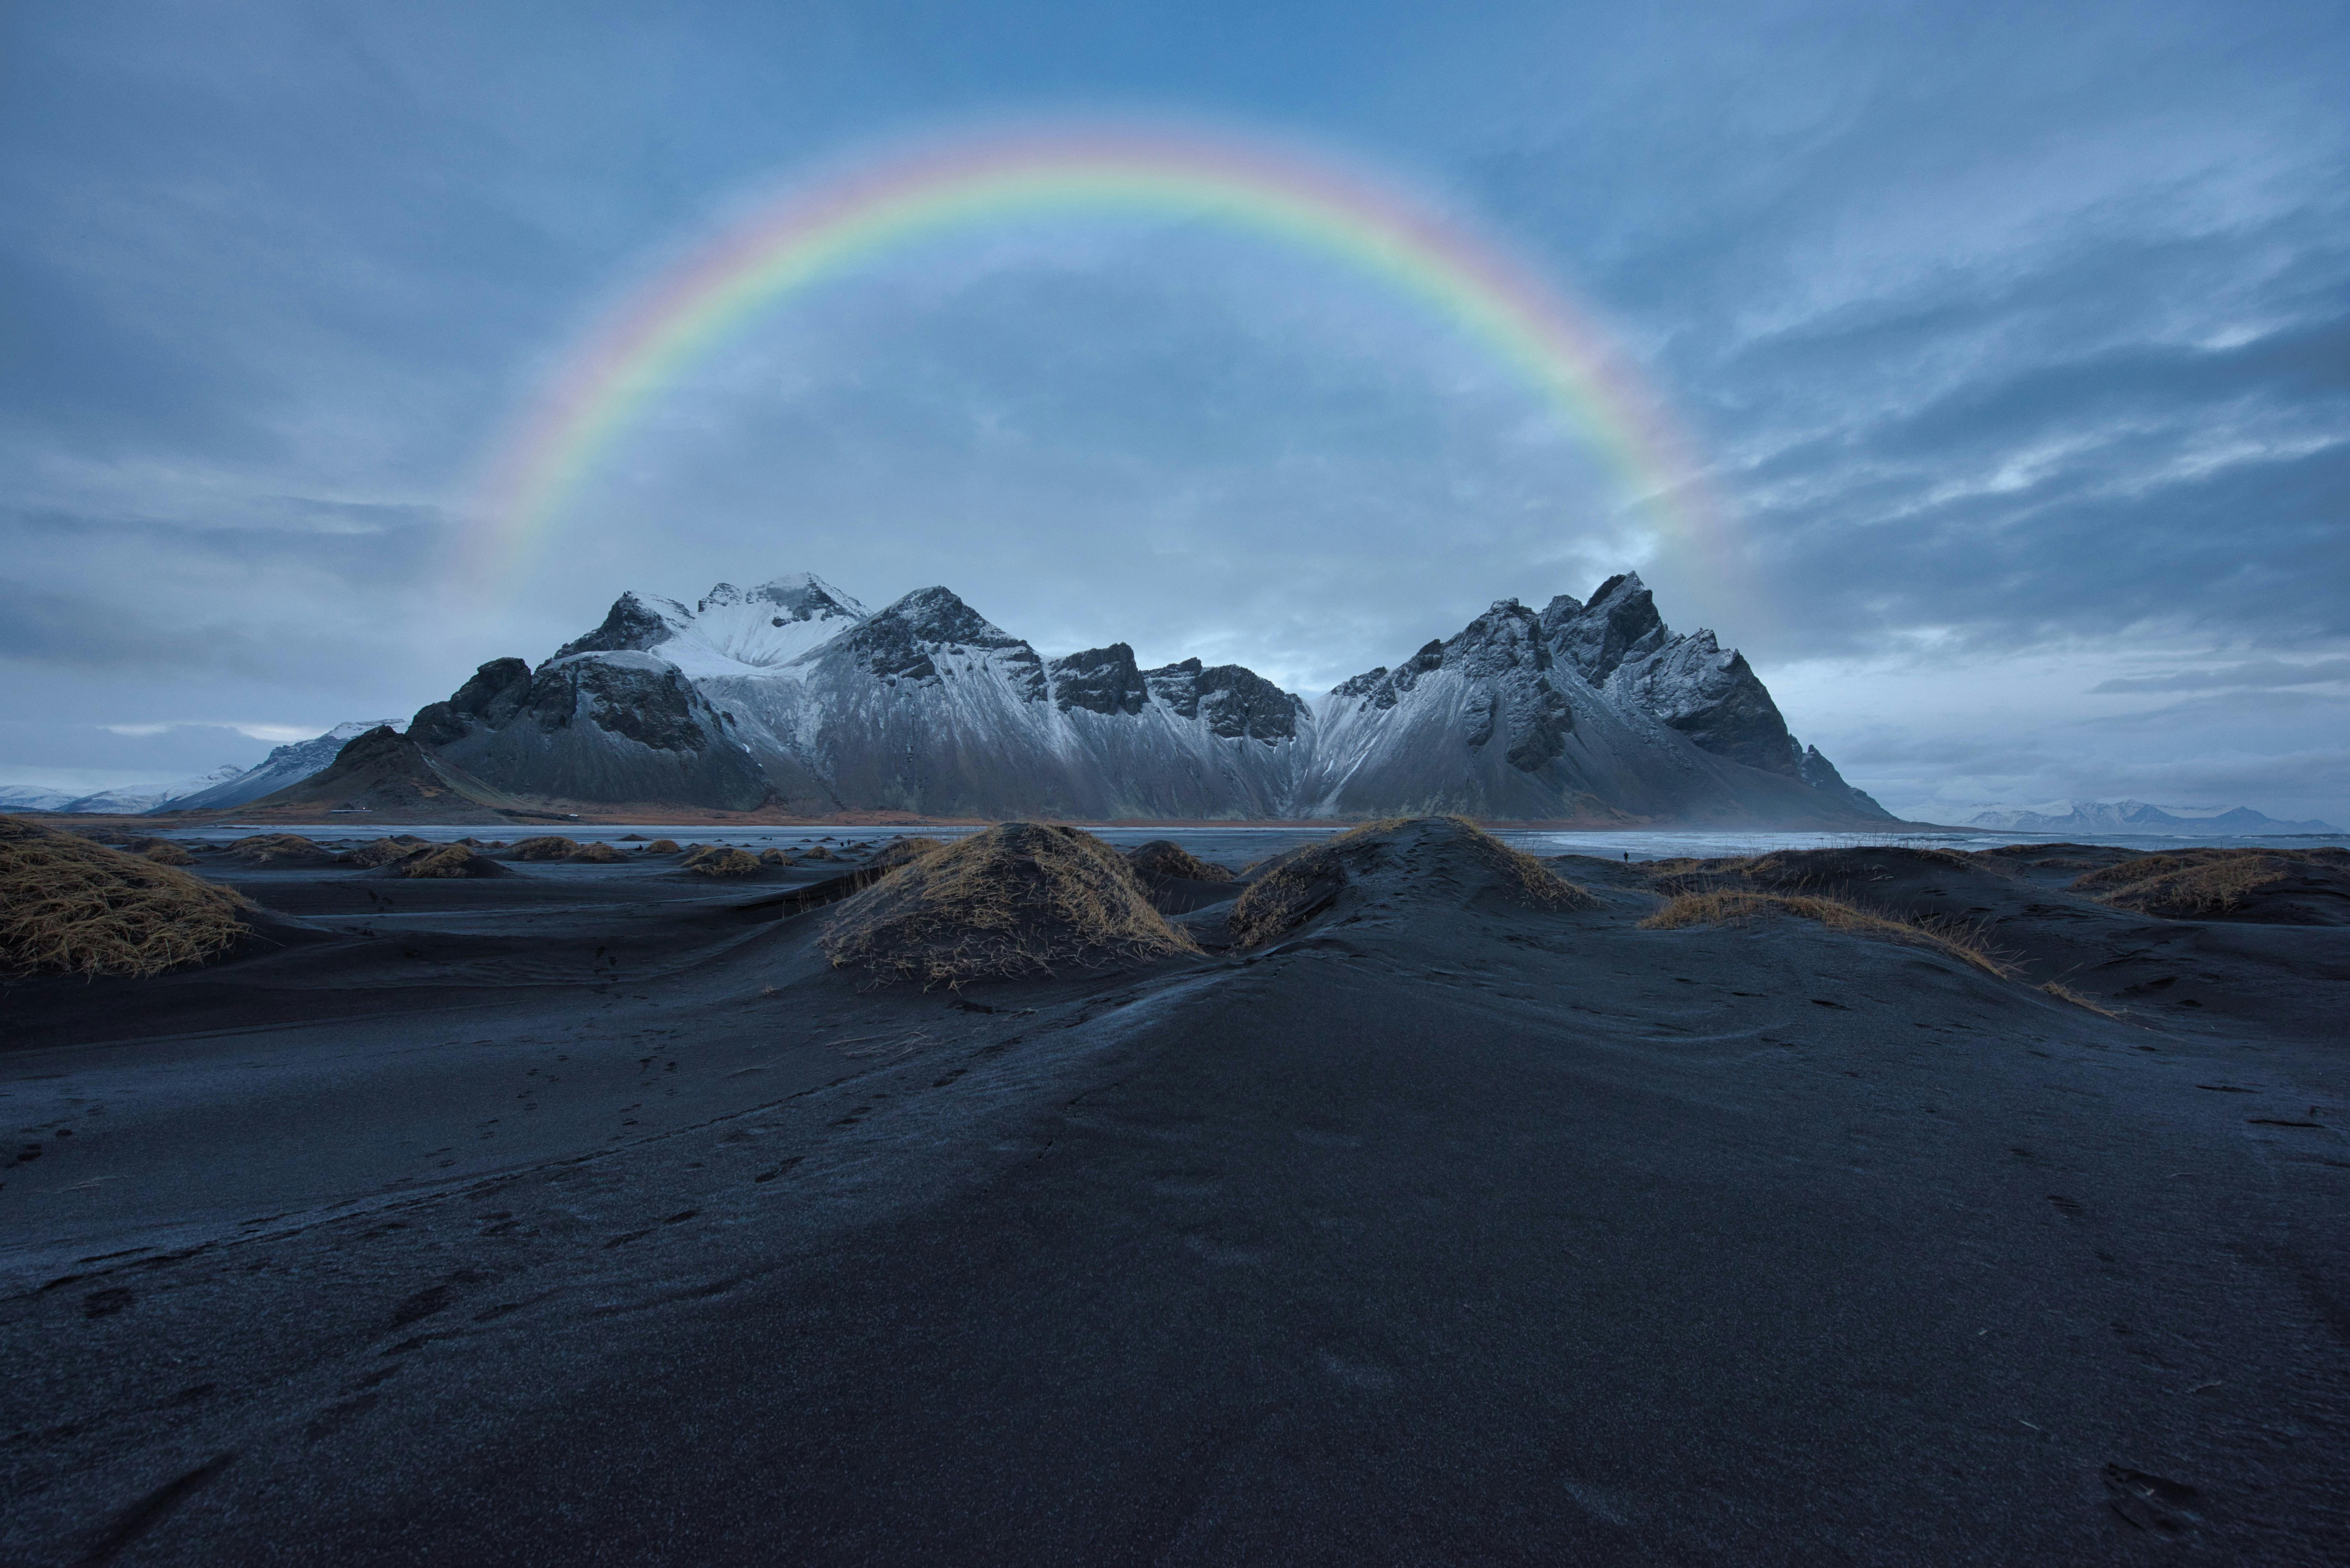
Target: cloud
2257,672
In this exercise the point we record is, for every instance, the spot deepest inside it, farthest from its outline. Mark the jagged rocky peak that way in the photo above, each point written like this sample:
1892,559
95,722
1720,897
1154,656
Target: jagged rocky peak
633,624
1715,698
1506,637
907,640
1237,702
1620,623
491,696
1098,680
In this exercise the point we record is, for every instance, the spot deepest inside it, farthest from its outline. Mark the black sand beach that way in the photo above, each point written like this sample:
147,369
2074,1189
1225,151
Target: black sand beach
585,1214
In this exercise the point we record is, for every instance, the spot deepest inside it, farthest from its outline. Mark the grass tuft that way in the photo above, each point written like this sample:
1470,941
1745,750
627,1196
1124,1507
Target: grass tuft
546,847
70,906
719,860
2191,882
1164,857
1297,886
1730,907
1020,899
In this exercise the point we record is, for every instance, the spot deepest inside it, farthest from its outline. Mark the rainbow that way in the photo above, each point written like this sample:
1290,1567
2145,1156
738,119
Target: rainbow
823,229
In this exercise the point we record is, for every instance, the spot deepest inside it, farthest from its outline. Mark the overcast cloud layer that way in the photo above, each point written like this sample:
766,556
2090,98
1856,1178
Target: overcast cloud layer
2017,339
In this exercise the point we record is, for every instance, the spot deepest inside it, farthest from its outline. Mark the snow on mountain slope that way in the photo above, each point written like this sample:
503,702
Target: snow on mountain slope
288,764
929,706
729,630
27,797
792,696
1582,712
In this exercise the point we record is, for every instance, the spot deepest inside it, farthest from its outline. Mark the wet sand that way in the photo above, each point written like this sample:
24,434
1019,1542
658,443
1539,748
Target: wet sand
584,1215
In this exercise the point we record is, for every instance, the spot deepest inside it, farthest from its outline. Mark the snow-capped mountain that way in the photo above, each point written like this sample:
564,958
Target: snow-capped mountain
114,802
2137,817
728,631
1578,711
288,764
791,694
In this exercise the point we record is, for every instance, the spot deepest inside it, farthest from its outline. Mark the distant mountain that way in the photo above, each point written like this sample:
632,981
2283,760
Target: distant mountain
792,696
2137,817
230,784
288,764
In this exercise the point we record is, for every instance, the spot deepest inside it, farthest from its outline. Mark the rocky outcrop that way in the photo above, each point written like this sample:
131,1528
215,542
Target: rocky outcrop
607,727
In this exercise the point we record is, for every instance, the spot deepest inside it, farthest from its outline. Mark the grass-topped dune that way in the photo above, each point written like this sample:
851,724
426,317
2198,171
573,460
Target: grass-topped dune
2296,887
1020,899
1729,907
68,905
1164,857
1448,857
1859,892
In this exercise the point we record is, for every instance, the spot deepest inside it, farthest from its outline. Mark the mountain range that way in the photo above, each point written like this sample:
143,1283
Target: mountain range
793,698
2137,817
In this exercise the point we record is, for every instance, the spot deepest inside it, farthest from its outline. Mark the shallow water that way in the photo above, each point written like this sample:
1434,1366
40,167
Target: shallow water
1242,845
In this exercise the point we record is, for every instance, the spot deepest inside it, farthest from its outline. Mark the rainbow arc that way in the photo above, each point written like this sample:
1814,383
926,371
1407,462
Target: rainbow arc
831,228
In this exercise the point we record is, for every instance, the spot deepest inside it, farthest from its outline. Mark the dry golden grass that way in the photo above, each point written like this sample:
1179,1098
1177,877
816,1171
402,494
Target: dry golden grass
661,846
447,860
70,906
2189,883
905,852
1020,899
1164,857
546,847
1730,906
385,851
262,848
817,852
1300,884
773,857
2063,992
597,854
719,861
163,852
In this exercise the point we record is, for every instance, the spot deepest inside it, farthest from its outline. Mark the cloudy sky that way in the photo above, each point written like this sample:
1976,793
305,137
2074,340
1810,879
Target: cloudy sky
2014,340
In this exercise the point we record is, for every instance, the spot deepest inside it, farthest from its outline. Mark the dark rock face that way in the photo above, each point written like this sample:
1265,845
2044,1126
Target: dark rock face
1716,699
493,696
618,726
1503,652
1100,680
1239,702
1620,623
631,626
904,641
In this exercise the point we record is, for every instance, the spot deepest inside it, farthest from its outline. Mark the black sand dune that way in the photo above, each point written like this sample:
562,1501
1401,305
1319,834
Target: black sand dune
587,1215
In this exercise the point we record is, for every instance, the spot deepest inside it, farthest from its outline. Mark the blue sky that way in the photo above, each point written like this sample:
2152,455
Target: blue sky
2017,338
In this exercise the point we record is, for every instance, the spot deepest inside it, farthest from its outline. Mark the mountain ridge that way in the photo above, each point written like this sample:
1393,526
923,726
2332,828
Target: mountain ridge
792,697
